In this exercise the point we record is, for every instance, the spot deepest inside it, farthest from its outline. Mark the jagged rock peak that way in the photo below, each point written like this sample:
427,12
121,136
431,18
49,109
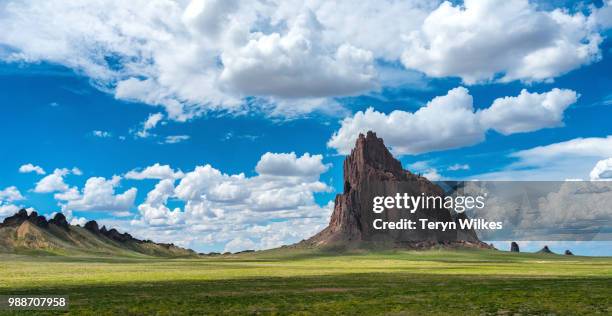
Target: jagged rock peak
92,226
22,216
514,247
371,150
60,220
370,153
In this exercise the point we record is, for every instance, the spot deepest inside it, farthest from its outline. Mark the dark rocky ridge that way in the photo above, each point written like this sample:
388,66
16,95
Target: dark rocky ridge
22,216
371,170
112,233
59,220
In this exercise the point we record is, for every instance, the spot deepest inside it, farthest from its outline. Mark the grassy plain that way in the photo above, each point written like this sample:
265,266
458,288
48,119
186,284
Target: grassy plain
458,282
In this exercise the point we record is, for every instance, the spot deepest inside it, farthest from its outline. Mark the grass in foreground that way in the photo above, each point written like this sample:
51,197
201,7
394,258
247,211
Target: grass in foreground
303,281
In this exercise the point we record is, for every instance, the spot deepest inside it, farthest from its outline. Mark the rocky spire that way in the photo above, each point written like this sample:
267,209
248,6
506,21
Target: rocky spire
514,247
371,170
545,249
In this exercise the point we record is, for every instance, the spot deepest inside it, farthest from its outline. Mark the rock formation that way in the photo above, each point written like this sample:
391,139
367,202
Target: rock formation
34,232
370,170
92,226
514,247
545,249
568,253
59,220
22,216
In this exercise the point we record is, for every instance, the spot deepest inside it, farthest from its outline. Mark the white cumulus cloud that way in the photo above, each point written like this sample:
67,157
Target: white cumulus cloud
528,112
155,171
482,40
602,170
54,182
292,57
290,165
10,194
450,121
220,207
31,168
97,195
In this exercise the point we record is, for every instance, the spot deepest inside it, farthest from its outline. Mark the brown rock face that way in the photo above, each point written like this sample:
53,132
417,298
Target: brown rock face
369,171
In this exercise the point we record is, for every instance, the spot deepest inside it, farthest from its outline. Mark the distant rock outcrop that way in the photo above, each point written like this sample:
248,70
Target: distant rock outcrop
371,170
514,247
545,249
568,253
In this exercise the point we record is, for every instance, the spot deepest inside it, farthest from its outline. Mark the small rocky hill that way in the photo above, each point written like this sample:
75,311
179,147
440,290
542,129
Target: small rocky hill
33,233
371,170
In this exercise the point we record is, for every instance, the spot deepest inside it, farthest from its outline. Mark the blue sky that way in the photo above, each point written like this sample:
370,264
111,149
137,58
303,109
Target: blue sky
60,85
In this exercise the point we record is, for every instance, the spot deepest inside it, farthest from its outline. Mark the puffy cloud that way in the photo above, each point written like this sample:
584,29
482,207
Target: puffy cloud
154,211
222,207
528,111
101,134
55,181
7,197
506,40
290,165
78,221
149,123
97,195
238,244
602,170
450,121
155,171
11,194
8,209
445,122
572,159
188,56
192,57
295,65
31,168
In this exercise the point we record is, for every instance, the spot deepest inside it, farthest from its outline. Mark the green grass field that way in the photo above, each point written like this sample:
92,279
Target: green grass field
311,282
